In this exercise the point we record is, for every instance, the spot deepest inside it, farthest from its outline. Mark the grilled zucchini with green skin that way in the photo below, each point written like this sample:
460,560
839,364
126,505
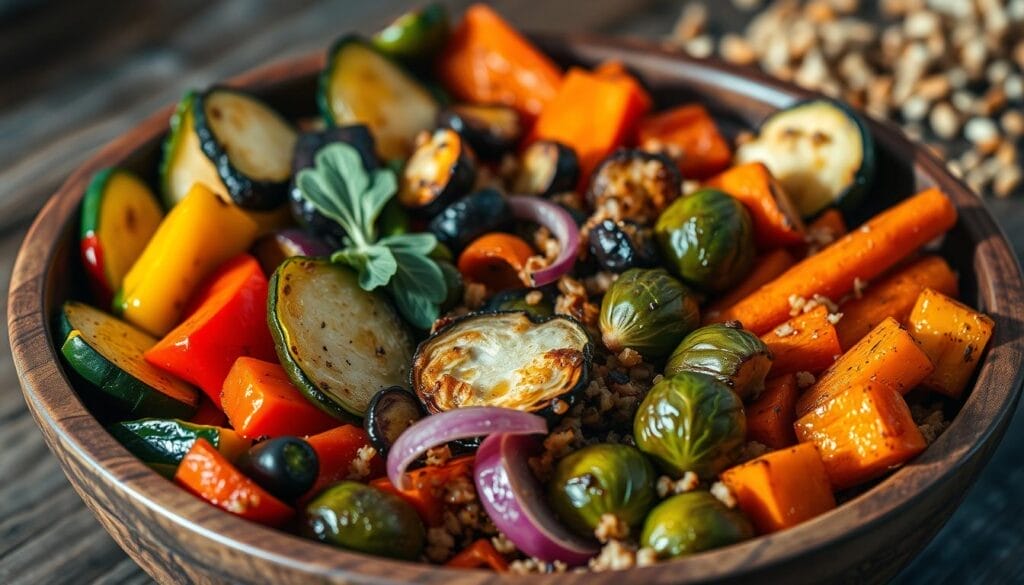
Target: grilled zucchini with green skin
362,86
416,36
184,161
107,352
162,443
821,152
338,343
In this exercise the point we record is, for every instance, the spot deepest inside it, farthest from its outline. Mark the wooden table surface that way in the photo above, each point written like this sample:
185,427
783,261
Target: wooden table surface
75,74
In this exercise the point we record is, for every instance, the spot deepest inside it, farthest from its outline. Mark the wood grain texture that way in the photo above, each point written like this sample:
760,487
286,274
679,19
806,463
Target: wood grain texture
114,62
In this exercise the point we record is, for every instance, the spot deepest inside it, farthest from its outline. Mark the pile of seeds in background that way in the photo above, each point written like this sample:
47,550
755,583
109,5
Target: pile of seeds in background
949,71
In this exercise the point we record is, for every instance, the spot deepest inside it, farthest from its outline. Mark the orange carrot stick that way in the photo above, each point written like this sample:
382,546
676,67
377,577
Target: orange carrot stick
827,228
776,220
807,342
864,253
953,335
766,268
770,417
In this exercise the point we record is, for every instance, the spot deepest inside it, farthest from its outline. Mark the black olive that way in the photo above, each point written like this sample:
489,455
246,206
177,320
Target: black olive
616,250
547,167
391,411
635,184
440,171
469,218
286,466
492,130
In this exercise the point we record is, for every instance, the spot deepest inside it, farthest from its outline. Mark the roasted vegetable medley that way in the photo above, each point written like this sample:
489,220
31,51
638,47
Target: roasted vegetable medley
490,313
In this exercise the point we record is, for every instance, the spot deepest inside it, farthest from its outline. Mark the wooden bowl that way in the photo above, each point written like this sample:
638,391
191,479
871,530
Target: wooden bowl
178,538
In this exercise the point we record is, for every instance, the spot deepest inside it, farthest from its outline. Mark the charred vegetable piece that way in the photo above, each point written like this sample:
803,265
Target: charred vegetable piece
496,260
503,359
249,144
358,136
733,355
272,249
638,185
362,518
707,239
692,522
455,286
107,352
648,311
362,86
184,162
469,218
691,422
440,171
602,479
416,36
391,411
820,150
162,443
338,343
492,130
515,300
547,167
618,248
286,466
119,216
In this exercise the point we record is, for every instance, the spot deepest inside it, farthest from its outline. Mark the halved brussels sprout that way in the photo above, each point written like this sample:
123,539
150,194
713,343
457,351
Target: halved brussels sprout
503,359
691,422
362,518
647,311
707,239
733,355
602,479
691,522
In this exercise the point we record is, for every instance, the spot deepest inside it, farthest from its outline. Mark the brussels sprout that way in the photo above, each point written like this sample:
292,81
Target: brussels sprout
647,311
358,517
692,522
728,352
602,479
691,422
707,238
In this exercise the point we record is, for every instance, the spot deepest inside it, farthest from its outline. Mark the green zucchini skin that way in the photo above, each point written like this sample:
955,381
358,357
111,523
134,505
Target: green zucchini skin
245,191
162,440
383,321
416,36
175,137
93,201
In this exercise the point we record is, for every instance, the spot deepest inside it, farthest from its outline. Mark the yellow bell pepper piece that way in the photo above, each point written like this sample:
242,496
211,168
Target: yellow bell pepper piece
199,234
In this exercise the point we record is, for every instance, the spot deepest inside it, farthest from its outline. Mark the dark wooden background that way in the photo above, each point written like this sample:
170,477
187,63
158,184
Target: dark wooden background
75,73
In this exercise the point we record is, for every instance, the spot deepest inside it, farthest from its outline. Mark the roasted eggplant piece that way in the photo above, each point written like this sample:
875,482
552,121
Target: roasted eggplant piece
492,130
469,218
505,359
391,411
820,150
620,246
273,249
547,167
305,213
635,184
249,144
515,300
362,86
440,171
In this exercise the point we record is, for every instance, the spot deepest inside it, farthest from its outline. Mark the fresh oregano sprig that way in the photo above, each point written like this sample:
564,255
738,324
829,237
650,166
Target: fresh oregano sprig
341,189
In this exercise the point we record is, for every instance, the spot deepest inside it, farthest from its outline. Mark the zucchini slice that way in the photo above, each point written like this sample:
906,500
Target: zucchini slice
119,216
416,36
362,86
506,359
339,344
492,130
819,150
391,411
546,168
162,443
249,143
107,352
184,162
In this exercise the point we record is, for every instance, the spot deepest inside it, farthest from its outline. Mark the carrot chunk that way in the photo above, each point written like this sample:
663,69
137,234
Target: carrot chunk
782,488
770,417
825,229
953,335
776,220
691,130
261,401
337,450
766,268
861,433
888,355
807,342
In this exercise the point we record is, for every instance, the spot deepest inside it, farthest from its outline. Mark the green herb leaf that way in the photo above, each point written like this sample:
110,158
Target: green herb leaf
418,287
375,264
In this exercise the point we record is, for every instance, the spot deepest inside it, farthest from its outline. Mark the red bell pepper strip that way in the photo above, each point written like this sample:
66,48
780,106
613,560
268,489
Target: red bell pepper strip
336,450
426,487
479,554
209,414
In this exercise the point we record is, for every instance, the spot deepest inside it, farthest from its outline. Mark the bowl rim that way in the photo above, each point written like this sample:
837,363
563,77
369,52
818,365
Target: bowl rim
57,410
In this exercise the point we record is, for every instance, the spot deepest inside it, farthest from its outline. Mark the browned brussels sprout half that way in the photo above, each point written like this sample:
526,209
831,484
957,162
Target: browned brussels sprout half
707,239
735,356
362,518
469,218
440,170
391,411
619,246
691,422
635,184
505,359
547,167
692,522
648,311
602,479
492,130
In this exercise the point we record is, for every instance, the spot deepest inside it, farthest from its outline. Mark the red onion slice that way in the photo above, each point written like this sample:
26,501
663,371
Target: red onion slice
461,423
559,223
515,502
